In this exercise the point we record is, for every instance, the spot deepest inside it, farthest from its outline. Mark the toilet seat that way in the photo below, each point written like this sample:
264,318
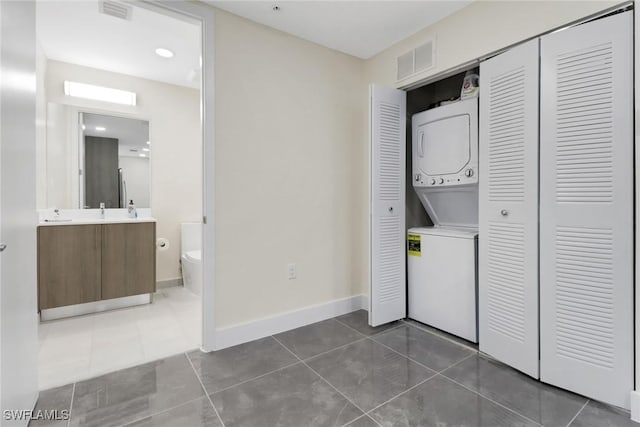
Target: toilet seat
194,256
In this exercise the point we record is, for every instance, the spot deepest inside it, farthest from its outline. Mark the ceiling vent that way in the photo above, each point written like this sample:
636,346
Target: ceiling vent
415,61
115,9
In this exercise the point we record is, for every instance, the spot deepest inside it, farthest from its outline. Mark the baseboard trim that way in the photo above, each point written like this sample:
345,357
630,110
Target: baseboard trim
169,283
260,328
635,406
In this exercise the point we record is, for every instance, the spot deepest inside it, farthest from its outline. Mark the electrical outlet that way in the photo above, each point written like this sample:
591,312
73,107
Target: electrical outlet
292,271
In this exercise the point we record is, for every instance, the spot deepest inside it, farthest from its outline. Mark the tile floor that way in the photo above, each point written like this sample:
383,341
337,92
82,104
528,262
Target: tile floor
338,372
83,347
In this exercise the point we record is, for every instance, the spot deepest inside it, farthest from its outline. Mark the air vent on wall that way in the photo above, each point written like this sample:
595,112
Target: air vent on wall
115,9
417,60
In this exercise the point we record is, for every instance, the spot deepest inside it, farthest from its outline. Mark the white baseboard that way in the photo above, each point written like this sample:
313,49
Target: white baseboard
635,406
260,328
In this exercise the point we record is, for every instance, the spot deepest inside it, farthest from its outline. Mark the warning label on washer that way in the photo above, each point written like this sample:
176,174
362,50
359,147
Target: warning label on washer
414,245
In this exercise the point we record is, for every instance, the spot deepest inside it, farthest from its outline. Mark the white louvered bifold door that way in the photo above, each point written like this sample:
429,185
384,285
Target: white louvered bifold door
387,127
586,209
508,216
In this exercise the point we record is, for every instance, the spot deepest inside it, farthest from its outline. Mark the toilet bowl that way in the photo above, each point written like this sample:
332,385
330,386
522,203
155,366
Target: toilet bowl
191,258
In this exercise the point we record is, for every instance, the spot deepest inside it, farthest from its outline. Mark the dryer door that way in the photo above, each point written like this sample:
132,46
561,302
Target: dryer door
443,145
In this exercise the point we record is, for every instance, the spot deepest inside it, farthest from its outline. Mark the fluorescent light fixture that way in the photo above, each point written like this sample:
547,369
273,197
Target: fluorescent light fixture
142,155
145,149
99,93
100,128
164,53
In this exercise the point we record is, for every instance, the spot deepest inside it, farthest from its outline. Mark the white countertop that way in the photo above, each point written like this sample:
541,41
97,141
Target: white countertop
47,217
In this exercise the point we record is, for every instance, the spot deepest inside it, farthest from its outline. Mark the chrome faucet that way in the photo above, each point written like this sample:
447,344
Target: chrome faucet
102,210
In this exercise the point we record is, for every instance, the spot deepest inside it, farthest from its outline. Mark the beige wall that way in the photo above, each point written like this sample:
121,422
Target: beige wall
481,28
176,146
290,119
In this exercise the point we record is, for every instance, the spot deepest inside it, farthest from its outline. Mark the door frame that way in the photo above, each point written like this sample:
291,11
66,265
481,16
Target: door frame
205,16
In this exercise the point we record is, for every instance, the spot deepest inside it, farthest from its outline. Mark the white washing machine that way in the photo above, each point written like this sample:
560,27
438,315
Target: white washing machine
442,278
442,260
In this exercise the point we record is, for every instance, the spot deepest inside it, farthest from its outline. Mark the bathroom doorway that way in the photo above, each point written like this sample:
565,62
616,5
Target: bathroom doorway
172,107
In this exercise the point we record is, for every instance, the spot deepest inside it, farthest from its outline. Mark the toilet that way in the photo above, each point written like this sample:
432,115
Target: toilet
191,258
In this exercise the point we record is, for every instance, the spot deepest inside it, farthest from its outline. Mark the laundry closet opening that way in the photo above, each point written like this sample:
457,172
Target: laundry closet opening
442,206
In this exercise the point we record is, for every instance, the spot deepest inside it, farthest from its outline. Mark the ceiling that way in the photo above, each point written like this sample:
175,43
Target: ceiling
132,135
77,33
359,28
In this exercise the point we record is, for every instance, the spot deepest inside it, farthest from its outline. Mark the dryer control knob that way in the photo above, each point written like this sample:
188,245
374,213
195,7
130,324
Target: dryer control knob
433,181
417,178
468,172
441,180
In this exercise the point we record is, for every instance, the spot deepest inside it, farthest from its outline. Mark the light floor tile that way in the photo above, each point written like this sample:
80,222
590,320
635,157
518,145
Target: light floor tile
81,347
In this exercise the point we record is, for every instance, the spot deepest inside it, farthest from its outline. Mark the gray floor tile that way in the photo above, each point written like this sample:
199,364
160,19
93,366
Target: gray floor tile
197,413
359,320
55,399
597,414
134,393
544,404
230,366
368,373
363,422
294,396
432,351
440,333
317,338
440,402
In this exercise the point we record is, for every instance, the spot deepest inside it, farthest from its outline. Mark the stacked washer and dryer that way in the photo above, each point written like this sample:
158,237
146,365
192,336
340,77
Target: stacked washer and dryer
442,260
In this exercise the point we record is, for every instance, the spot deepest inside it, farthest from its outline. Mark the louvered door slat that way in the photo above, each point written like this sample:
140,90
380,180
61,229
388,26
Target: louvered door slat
508,251
387,300
586,210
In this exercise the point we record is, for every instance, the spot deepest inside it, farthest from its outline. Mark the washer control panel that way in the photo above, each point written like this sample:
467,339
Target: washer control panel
466,176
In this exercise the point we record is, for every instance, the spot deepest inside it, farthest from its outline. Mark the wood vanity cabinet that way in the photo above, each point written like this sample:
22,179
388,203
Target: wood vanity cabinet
69,265
85,263
128,259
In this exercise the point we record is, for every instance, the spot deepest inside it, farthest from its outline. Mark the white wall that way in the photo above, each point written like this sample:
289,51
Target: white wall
290,119
176,145
57,168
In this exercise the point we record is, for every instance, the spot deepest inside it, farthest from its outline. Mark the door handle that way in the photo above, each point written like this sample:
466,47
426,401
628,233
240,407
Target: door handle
2,247
504,212
390,209
421,145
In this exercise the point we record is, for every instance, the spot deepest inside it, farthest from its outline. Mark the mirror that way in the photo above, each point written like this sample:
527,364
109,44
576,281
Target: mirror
114,162
93,157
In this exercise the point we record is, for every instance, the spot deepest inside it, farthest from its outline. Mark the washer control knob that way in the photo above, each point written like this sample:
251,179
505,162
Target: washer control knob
433,181
441,181
468,172
417,177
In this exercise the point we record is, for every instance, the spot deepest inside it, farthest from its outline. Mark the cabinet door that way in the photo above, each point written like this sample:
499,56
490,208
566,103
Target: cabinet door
128,259
68,265
388,288
508,215
586,209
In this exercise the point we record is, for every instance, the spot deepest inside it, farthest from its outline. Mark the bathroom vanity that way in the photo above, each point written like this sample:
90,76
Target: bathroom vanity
87,265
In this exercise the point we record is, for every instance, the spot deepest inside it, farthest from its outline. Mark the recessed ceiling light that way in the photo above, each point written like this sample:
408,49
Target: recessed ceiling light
145,149
148,142
84,127
165,53
100,128
142,155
